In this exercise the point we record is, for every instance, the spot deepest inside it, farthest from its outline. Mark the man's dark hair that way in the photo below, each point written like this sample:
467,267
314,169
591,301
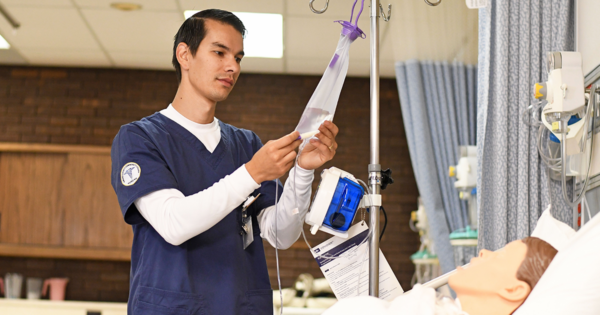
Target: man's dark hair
538,258
192,31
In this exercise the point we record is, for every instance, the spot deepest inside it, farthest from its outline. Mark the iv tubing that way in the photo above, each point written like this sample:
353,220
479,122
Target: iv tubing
528,115
563,149
276,247
554,163
551,162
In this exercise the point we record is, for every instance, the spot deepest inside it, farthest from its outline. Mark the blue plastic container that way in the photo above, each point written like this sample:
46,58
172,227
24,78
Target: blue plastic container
344,205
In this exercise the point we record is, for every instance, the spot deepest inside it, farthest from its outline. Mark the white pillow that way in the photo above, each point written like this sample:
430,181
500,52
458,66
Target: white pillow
571,284
554,232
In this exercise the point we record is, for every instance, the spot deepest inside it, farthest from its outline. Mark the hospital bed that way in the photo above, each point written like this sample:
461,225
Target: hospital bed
571,284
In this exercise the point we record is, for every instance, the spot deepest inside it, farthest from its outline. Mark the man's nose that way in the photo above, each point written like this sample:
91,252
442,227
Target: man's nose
232,66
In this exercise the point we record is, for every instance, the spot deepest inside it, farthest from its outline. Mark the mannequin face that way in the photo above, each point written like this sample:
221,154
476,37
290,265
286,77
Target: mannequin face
493,274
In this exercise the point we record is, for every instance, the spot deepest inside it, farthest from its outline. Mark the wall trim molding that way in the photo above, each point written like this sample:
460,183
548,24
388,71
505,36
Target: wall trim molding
52,148
64,252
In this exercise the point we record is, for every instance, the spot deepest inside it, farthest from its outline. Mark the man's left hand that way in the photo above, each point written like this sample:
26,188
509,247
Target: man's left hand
321,150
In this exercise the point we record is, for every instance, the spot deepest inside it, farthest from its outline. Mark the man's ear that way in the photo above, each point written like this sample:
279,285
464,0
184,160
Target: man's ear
183,55
516,291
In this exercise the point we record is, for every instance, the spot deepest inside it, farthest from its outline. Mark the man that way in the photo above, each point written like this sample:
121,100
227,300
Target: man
495,283
181,177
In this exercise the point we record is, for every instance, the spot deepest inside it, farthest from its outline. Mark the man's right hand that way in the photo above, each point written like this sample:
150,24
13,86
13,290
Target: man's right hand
274,159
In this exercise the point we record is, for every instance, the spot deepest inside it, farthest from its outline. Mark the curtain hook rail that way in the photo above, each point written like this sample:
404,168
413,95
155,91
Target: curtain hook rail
312,8
389,14
433,4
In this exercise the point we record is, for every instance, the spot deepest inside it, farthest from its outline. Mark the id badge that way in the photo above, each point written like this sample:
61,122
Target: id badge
247,231
248,235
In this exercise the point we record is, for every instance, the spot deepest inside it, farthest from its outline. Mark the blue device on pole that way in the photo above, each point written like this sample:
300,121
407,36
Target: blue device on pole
336,202
344,205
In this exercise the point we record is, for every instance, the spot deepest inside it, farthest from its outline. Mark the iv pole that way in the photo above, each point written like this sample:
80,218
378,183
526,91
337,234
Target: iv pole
374,166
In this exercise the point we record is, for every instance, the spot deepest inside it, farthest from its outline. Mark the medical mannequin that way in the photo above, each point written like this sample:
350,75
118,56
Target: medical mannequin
497,283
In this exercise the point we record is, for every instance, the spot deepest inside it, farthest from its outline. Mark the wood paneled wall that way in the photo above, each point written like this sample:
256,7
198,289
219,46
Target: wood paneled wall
60,199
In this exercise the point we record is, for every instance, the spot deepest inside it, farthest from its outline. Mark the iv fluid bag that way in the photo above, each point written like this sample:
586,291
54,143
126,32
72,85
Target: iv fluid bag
323,102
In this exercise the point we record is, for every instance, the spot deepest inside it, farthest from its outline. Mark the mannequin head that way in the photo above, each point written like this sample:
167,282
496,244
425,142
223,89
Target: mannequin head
499,282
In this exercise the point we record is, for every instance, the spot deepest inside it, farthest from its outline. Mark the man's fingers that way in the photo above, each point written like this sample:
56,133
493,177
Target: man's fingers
322,147
291,147
290,157
332,127
289,165
288,161
326,131
324,139
286,140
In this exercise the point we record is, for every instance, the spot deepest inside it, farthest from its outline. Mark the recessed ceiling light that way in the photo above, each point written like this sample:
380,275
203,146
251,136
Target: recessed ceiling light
264,33
3,43
126,6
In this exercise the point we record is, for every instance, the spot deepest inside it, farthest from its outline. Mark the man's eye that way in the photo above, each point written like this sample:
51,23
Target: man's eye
238,60
219,53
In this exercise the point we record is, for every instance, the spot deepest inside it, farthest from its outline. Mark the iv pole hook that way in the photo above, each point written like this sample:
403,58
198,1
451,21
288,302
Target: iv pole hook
433,4
310,5
389,14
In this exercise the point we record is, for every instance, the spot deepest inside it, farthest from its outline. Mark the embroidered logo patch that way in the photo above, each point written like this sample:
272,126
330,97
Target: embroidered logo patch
130,173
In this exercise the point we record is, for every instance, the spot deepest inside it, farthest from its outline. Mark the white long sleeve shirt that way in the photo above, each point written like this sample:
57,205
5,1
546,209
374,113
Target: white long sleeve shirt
178,218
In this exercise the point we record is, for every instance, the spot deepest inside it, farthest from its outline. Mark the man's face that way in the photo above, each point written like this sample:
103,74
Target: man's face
491,271
215,68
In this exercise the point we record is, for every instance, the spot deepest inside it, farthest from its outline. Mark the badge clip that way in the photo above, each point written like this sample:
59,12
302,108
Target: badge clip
247,231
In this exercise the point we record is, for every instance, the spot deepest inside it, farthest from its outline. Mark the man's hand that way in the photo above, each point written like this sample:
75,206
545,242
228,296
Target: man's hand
317,152
274,159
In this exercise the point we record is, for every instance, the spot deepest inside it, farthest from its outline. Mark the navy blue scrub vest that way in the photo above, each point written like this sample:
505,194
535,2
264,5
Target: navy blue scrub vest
210,273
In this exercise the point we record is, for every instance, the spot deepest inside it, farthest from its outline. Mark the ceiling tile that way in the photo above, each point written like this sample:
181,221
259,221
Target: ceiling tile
57,57
11,56
48,28
143,39
313,38
318,38
337,10
137,31
164,5
142,60
446,33
37,3
260,6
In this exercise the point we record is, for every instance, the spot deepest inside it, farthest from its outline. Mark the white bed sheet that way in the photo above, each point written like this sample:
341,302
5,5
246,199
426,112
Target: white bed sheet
571,284
419,301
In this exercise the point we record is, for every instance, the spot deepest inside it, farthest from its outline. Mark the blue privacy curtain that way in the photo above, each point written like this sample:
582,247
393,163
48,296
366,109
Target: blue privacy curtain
514,37
437,100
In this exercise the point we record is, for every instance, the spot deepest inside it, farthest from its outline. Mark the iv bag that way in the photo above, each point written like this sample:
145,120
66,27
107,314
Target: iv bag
323,102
